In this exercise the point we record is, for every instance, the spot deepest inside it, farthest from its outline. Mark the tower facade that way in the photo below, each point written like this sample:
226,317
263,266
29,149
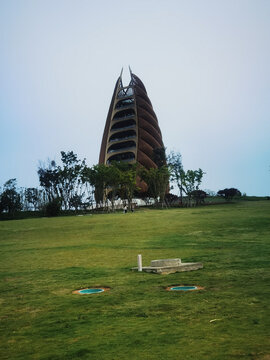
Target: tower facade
131,130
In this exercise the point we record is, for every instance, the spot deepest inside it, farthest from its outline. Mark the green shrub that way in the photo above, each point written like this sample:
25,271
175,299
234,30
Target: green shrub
53,208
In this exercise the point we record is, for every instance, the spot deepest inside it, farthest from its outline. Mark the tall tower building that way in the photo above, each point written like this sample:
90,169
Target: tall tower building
131,130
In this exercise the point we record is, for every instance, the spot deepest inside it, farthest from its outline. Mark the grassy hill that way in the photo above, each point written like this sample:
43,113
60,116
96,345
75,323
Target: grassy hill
44,260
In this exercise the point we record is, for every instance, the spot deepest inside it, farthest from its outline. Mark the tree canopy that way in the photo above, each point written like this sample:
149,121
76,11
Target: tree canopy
10,200
229,194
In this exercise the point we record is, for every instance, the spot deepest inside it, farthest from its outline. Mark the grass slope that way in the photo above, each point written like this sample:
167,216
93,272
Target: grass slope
44,260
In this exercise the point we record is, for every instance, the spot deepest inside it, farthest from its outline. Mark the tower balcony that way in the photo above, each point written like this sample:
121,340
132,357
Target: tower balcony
129,102
124,114
126,157
122,125
123,135
122,146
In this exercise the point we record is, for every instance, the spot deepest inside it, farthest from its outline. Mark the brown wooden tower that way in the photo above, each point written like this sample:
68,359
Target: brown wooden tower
131,130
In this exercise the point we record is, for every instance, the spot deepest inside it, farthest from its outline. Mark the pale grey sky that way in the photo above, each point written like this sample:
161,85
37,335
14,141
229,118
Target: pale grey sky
205,65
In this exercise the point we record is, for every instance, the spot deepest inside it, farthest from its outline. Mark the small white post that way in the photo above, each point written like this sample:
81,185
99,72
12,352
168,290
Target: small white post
139,262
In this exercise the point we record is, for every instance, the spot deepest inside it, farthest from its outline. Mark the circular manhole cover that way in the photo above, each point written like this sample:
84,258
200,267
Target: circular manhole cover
90,291
183,288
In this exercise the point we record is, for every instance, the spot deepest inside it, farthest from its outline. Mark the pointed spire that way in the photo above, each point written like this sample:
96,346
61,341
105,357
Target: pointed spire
130,70
120,84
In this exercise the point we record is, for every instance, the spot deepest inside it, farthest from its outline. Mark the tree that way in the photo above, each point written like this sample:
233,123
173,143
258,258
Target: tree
191,182
118,177
49,179
177,171
128,175
76,202
10,199
96,176
229,194
63,182
112,181
188,182
53,207
171,199
157,180
33,196
198,196
69,180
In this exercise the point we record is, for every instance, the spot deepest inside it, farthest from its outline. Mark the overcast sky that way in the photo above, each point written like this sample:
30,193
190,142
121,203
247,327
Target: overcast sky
205,66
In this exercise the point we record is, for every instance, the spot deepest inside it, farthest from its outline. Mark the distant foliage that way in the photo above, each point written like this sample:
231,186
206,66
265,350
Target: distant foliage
109,182
53,208
188,182
172,199
157,180
199,196
229,194
10,200
177,172
128,175
66,182
73,185
33,199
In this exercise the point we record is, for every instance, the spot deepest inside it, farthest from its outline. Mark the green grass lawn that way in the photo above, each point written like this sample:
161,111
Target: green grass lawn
44,260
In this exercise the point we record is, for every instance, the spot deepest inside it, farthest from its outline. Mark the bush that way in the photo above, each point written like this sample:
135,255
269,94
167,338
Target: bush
53,208
198,196
229,194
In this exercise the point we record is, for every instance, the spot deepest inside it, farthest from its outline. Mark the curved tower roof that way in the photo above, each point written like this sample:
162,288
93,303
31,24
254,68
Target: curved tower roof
131,131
